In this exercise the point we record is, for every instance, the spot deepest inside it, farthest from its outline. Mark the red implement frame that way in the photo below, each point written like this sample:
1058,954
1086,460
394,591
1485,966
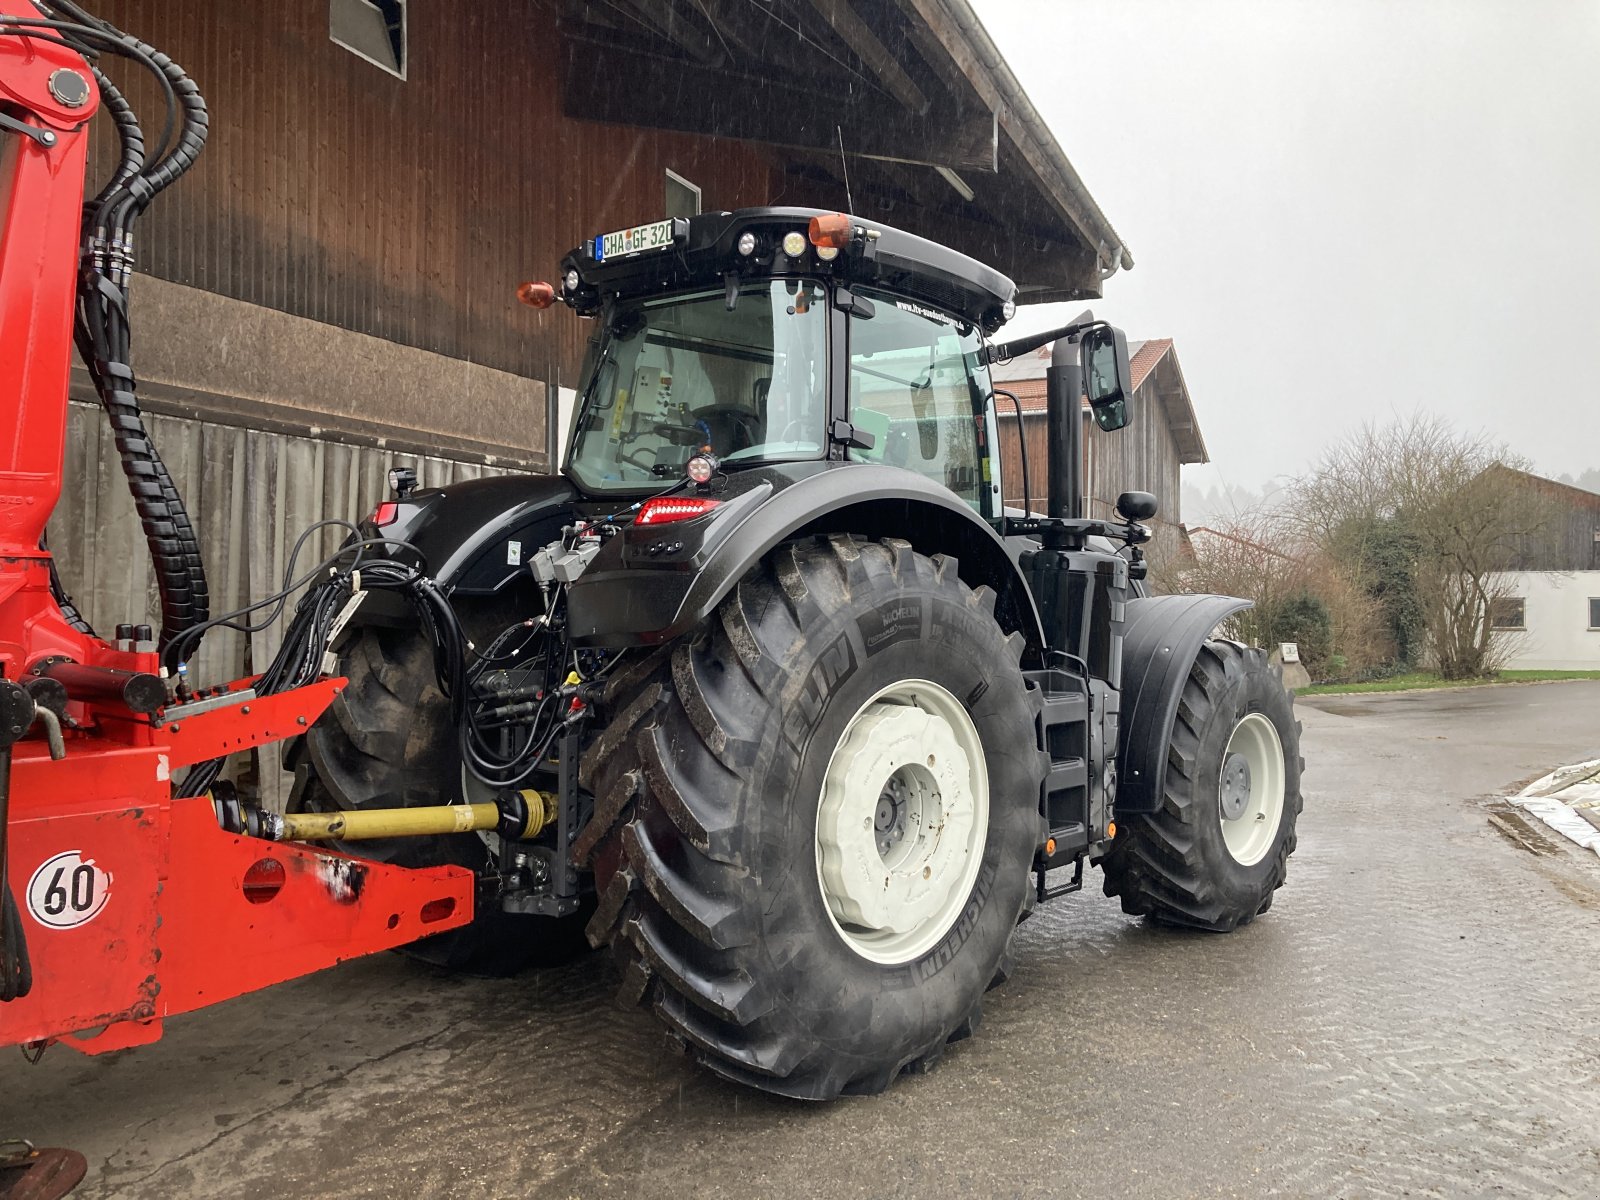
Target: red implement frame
136,905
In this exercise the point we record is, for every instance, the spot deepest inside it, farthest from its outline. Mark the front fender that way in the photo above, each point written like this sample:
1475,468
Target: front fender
1162,636
655,583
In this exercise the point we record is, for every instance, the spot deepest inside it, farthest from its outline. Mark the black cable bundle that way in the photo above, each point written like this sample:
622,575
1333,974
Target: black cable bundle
101,328
528,715
16,969
332,583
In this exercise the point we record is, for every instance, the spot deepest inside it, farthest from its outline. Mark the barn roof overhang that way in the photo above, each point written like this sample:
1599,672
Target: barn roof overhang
908,98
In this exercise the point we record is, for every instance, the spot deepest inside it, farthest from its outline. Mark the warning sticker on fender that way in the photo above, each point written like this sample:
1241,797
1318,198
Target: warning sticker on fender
67,891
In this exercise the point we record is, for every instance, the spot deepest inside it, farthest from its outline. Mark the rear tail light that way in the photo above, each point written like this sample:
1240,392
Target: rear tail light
386,513
673,508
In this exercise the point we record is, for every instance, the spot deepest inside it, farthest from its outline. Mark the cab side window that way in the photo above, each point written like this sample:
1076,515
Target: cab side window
918,386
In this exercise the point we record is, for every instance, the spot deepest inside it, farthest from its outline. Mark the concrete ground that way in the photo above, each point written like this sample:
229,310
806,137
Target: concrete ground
1416,1016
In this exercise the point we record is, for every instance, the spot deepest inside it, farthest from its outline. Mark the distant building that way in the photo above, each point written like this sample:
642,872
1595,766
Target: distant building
1549,618
1163,436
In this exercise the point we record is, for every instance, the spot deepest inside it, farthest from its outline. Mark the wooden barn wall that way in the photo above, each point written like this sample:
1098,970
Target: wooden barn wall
1575,540
1141,457
1036,430
1567,536
251,494
406,209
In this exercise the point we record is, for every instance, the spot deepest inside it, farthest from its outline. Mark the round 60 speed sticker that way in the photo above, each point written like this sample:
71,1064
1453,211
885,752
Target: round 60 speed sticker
67,891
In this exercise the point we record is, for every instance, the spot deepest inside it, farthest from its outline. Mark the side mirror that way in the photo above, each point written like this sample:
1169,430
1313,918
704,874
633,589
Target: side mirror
1136,506
1107,378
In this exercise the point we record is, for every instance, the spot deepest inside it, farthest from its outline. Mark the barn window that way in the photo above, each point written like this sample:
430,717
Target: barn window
371,29
683,197
1506,612
1594,612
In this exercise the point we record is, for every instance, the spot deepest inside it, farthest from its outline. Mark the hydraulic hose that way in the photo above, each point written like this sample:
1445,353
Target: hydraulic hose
102,328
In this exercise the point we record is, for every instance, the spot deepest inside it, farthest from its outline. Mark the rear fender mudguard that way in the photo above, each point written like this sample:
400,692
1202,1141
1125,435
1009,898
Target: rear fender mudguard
476,536
1162,636
626,599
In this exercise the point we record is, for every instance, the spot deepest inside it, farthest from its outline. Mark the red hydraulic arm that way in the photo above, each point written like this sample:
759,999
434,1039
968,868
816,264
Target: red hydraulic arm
130,904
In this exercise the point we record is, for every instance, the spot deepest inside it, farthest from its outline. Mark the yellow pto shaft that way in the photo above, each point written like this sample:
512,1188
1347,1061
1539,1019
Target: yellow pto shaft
362,824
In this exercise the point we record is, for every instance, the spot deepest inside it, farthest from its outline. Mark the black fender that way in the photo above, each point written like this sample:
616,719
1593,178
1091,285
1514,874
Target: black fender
1161,638
476,536
654,583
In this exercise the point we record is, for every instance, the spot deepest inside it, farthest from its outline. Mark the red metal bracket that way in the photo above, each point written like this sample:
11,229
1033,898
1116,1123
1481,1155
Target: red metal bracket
138,907
235,727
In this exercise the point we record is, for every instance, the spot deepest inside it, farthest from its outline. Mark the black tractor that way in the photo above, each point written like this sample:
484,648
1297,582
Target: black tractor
808,719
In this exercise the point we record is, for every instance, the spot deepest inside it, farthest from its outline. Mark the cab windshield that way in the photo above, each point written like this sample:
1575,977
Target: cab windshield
676,376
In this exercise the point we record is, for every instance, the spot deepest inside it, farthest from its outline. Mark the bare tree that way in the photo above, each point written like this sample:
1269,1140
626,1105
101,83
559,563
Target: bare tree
1446,510
1298,594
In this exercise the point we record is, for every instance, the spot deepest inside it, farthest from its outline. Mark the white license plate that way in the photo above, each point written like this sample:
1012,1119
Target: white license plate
655,236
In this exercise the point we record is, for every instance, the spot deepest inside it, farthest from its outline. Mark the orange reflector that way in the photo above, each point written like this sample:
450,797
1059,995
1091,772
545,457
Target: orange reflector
1049,847
831,229
536,295
1111,830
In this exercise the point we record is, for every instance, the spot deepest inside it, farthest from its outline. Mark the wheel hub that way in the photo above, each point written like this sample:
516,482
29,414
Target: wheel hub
902,821
1235,787
1251,789
889,821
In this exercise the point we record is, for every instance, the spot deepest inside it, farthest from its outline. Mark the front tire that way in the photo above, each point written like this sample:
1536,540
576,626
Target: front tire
1217,849
737,830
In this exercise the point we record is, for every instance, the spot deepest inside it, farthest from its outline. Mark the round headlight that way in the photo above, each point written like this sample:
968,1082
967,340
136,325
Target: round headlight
701,467
1008,309
794,243
827,253
571,279
747,243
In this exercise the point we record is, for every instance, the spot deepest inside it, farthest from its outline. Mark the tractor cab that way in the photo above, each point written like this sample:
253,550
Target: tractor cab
782,336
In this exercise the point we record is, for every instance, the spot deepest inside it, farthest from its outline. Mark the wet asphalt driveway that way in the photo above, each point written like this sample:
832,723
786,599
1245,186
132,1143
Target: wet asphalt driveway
1419,1014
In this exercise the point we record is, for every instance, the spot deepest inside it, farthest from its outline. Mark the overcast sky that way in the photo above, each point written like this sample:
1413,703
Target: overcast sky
1342,209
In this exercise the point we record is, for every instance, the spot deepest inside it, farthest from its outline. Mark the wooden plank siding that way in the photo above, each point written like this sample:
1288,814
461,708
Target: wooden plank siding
405,209
1142,457
1570,537
252,493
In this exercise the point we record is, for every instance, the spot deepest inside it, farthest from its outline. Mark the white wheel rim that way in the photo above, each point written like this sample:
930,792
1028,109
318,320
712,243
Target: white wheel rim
903,821
1250,789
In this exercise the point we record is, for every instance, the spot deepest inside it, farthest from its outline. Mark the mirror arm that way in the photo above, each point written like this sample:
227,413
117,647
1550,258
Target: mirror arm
1025,345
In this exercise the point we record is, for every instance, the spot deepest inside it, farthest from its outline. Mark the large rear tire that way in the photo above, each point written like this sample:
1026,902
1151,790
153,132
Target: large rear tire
387,742
815,818
1218,848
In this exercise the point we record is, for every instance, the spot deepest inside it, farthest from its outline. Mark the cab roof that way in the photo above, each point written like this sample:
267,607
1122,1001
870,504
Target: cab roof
703,250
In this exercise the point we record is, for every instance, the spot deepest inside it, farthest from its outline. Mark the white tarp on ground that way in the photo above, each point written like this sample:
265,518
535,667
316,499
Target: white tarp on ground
1567,800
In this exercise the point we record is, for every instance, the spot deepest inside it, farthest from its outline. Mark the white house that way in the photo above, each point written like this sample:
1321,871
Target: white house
1550,621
